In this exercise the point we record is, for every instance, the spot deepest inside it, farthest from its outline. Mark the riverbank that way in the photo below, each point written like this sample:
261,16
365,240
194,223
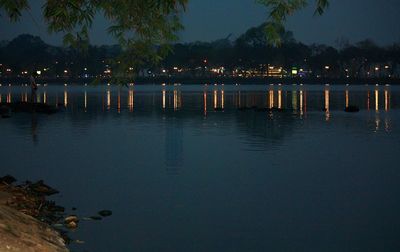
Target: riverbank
218,80
26,217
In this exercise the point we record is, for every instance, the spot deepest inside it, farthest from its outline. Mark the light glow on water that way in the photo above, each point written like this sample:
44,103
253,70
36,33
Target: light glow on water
294,100
163,98
65,98
301,102
327,105
119,101
279,99
131,98
108,99
271,98
9,97
222,99
239,99
205,102
218,176
215,99
387,101
175,99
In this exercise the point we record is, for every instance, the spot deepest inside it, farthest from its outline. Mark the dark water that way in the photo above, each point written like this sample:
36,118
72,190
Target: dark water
180,175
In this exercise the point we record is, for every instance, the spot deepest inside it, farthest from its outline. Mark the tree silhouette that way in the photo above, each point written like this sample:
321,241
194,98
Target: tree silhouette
144,29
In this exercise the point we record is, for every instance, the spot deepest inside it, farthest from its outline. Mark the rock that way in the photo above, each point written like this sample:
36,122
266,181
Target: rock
42,188
71,221
7,179
352,109
71,218
72,225
105,213
27,219
20,232
5,198
55,208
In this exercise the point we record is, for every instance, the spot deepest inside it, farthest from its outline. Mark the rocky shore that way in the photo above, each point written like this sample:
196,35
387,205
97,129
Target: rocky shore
30,222
26,218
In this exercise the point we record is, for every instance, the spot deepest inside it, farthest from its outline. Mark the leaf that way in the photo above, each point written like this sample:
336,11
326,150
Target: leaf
322,5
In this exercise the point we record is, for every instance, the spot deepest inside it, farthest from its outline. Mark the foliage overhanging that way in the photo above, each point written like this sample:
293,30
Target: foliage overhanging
143,28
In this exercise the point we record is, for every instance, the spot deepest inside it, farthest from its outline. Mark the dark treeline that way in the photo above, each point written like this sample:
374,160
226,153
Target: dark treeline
249,55
27,53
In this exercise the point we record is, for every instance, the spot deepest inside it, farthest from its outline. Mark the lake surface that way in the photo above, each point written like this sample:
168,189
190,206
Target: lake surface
184,169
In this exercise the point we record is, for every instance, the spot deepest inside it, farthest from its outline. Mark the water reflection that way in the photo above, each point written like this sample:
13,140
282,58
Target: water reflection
305,102
279,99
65,98
205,102
131,97
85,101
163,98
119,101
222,99
9,97
327,113
215,99
34,125
257,128
239,101
387,101
108,93
377,122
301,102
177,99
271,99
294,100
219,99
173,145
177,168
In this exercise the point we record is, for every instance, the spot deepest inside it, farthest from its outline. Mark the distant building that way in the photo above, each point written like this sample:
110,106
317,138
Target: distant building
274,71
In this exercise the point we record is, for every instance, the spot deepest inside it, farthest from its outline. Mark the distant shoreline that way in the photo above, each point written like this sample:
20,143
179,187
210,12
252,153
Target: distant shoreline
218,80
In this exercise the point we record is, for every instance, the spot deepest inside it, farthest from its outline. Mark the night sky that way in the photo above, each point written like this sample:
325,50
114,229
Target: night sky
207,20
